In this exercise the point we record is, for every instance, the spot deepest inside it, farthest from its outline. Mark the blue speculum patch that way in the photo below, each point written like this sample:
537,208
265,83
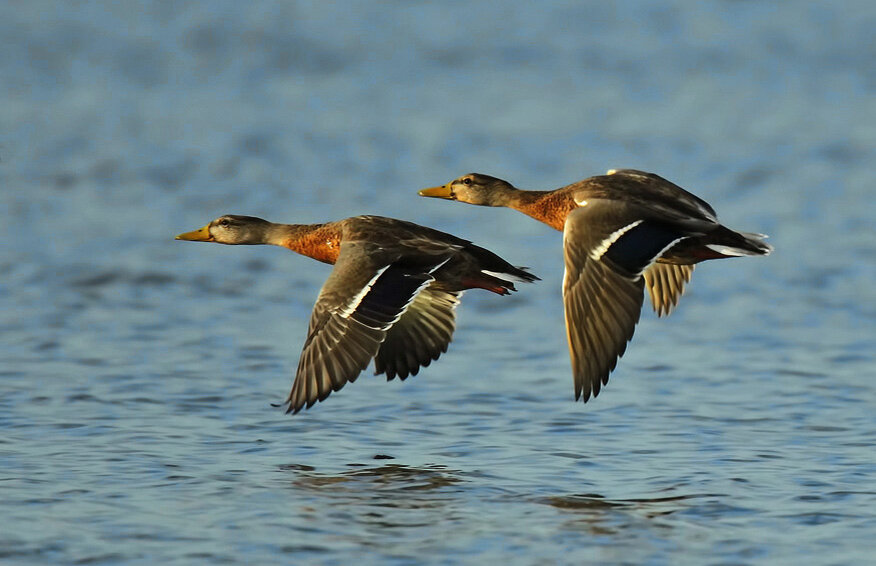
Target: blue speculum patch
638,247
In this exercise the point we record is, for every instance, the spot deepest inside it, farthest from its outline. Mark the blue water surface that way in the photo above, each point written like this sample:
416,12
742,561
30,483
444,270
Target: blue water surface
137,373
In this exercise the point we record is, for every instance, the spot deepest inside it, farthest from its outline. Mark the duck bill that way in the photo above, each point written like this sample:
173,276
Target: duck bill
199,235
438,192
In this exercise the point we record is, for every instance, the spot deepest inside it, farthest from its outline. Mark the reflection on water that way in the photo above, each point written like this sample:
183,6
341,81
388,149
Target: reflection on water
136,374
392,485
375,506
601,516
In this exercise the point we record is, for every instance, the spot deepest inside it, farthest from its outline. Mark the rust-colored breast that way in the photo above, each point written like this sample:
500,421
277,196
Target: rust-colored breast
322,243
550,208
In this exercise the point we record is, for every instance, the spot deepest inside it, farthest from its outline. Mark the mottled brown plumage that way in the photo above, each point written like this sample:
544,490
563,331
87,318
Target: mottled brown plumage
622,232
321,242
549,207
391,296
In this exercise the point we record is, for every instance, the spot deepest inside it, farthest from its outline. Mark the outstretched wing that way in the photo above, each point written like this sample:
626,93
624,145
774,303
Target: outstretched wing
421,335
364,296
665,283
607,248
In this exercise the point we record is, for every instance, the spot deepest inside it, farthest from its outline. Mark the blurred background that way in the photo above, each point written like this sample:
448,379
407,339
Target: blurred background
136,372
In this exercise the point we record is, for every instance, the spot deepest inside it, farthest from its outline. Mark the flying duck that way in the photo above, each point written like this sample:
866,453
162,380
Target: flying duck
622,232
391,296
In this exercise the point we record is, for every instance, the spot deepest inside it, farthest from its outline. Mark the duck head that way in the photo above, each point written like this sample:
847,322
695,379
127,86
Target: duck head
233,230
474,188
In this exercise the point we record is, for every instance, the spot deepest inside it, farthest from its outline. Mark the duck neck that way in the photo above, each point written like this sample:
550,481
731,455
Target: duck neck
321,242
527,202
549,207
506,195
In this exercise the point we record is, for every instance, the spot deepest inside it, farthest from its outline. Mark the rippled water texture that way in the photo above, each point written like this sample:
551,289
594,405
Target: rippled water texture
137,373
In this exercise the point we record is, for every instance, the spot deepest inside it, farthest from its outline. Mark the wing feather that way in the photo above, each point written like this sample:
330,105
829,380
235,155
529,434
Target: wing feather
666,284
366,294
421,335
602,302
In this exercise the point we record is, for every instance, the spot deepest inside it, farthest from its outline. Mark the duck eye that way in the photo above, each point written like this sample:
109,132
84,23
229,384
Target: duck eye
466,181
224,223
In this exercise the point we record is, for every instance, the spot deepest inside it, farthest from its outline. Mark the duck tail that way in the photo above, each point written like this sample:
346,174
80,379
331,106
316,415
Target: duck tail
729,243
499,282
519,275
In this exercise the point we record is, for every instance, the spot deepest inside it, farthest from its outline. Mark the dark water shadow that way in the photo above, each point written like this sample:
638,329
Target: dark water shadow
600,516
393,486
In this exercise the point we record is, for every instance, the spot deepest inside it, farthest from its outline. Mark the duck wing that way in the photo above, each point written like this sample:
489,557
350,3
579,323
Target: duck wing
665,283
421,335
607,246
661,196
366,293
